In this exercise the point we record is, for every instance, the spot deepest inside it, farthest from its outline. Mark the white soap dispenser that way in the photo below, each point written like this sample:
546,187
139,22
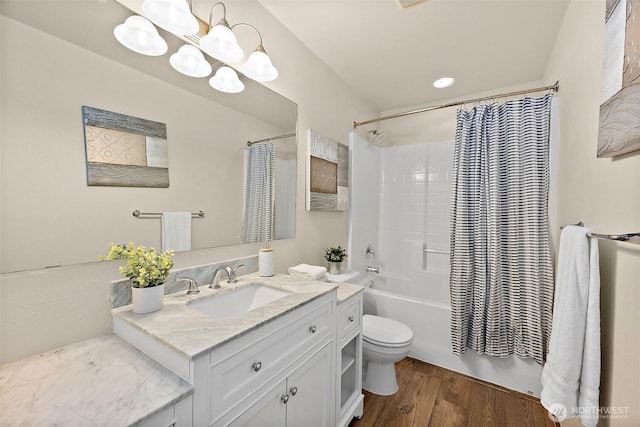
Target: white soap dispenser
265,261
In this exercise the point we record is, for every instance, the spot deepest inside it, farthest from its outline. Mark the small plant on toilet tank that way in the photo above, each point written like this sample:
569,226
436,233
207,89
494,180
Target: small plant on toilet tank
334,256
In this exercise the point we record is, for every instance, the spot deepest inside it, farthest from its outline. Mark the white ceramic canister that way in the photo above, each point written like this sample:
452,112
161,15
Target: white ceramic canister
265,262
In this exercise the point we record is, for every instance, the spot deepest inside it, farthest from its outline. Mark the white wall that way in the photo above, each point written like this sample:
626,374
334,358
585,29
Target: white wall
47,308
604,193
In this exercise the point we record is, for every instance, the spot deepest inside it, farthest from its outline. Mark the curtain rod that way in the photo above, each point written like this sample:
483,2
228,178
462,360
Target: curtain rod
286,135
555,88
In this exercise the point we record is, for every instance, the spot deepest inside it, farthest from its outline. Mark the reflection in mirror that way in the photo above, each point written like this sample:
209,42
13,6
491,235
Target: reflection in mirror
269,196
60,55
124,151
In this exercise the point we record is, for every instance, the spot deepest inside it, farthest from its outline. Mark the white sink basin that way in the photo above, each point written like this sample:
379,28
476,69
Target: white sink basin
239,301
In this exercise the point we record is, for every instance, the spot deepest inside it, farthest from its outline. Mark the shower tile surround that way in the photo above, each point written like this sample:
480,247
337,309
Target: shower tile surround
415,209
202,274
402,206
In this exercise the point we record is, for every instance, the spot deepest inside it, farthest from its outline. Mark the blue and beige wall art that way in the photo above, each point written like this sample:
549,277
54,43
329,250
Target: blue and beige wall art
327,173
124,151
619,132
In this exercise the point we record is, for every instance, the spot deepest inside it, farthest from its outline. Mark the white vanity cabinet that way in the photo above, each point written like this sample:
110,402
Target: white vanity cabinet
262,369
349,397
302,399
268,376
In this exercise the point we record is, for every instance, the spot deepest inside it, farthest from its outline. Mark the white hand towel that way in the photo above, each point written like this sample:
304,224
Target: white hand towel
176,231
311,272
571,376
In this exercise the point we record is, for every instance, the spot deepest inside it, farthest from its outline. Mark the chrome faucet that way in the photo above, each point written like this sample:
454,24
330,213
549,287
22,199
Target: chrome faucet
193,286
231,275
370,269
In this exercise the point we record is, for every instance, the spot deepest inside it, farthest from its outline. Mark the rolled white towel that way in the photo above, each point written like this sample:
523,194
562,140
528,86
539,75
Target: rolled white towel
306,271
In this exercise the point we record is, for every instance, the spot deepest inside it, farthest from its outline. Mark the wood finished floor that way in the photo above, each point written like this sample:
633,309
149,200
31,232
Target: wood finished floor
433,396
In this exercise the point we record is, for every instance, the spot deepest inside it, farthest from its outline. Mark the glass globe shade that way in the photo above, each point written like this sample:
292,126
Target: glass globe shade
222,44
139,35
226,80
172,15
259,67
189,61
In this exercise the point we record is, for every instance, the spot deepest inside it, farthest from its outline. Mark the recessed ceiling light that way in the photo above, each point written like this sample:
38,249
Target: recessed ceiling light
443,82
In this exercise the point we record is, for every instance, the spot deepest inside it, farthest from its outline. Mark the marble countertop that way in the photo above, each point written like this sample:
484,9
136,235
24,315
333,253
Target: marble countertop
192,333
347,290
101,381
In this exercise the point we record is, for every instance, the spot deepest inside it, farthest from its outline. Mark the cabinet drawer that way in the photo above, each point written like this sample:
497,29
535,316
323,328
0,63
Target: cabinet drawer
235,377
350,317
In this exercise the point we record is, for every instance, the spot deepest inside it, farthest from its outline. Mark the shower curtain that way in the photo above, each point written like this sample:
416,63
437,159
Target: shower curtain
501,283
259,212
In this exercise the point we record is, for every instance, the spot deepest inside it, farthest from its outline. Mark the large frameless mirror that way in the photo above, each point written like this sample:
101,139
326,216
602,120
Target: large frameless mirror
59,56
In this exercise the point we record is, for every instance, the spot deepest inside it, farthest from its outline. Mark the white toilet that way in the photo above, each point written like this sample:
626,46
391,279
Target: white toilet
384,342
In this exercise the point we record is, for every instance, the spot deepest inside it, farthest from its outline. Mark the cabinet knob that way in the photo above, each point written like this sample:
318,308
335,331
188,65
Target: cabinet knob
256,366
351,318
313,329
293,391
284,398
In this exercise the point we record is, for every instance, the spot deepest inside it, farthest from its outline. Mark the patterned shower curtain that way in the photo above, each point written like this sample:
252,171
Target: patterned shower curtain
501,271
259,211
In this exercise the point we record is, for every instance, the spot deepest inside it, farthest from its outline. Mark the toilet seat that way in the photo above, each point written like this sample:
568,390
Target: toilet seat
385,344
385,332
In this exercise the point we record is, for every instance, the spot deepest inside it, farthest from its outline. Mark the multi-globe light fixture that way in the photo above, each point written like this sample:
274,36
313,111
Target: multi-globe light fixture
139,34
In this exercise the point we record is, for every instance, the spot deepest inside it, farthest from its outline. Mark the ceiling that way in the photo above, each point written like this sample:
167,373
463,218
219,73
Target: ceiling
391,56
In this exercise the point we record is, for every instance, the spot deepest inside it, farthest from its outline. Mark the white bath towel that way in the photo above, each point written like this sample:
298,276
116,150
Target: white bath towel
571,376
176,231
311,272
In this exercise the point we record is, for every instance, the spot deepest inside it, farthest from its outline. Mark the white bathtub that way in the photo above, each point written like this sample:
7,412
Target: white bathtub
429,321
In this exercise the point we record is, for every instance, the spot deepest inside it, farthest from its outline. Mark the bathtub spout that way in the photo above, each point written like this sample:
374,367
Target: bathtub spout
372,269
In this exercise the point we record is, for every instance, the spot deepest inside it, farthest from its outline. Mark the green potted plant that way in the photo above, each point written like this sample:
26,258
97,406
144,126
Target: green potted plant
147,271
334,256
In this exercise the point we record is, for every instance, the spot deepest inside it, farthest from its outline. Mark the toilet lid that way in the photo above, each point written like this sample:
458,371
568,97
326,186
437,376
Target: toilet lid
384,331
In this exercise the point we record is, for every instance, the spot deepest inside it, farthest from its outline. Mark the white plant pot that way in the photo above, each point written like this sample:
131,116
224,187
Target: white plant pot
147,300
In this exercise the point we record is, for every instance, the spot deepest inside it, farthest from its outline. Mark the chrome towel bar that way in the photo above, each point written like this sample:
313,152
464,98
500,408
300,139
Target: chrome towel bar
618,237
138,214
